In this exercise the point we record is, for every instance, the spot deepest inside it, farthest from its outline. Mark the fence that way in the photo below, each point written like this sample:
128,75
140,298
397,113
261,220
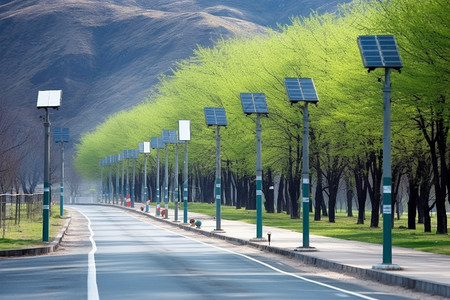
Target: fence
17,208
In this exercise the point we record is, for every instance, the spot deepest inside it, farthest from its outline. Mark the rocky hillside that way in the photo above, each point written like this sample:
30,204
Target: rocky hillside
106,54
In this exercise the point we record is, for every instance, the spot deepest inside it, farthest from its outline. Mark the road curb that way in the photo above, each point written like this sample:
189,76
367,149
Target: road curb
40,250
384,277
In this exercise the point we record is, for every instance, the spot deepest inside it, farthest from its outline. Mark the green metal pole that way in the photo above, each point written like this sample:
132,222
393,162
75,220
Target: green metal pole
185,184
101,181
133,184
305,178
145,183
117,183
127,185
122,187
46,202
158,192
258,179
218,181
387,179
111,185
61,198
110,191
166,183
176,182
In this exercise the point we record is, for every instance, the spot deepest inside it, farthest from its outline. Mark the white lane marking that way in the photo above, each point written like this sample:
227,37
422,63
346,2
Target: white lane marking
295,275
92,272
269,266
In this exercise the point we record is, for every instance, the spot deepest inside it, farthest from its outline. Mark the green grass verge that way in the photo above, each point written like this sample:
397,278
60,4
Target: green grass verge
29,234
344,227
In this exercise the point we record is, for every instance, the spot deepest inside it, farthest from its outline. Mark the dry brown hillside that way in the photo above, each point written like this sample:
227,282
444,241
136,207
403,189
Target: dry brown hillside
106,55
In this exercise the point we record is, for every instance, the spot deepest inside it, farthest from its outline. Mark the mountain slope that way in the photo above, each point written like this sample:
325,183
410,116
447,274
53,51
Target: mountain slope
106,55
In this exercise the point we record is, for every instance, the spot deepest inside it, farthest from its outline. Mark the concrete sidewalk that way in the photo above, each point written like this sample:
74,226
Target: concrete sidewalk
422,271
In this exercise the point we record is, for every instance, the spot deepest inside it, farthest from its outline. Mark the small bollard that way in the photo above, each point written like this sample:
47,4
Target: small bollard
198,223
269,234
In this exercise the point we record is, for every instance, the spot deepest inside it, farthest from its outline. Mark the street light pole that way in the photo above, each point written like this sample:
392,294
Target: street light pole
305,177
145,183
255,103
122,186
176,183
158,185
166,183
258,179
117,178
127,185
46,100
216,116
185,184
218,181
133,183
184,134
110,192
303,89
61,198
381,51
46,203
387,179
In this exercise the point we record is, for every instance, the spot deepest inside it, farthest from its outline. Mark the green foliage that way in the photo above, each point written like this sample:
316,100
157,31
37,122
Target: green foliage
348,117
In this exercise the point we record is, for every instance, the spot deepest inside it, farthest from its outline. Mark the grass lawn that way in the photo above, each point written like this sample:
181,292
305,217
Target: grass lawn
344,227
29,234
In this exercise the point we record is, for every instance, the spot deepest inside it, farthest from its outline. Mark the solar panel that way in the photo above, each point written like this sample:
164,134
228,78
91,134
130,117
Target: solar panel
379,51
215,116
61,135
301,89
169,136
157,143
254,103
134,153
131,153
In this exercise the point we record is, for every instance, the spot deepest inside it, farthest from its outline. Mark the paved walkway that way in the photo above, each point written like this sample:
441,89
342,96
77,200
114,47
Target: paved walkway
425,272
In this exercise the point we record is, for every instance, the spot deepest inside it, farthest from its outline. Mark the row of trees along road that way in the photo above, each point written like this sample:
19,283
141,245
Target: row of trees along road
19,160
346,125
22,154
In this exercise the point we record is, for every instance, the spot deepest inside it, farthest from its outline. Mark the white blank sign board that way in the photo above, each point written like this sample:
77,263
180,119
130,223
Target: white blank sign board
49,98
144,147
184,130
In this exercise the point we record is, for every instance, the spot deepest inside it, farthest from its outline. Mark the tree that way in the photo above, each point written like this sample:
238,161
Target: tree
424,43
346,125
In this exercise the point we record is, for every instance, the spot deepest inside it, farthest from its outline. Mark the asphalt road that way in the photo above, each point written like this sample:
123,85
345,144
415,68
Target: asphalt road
110,254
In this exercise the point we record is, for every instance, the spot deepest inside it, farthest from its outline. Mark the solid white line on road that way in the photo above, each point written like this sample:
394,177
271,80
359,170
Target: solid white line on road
274,268
297,276
92,273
